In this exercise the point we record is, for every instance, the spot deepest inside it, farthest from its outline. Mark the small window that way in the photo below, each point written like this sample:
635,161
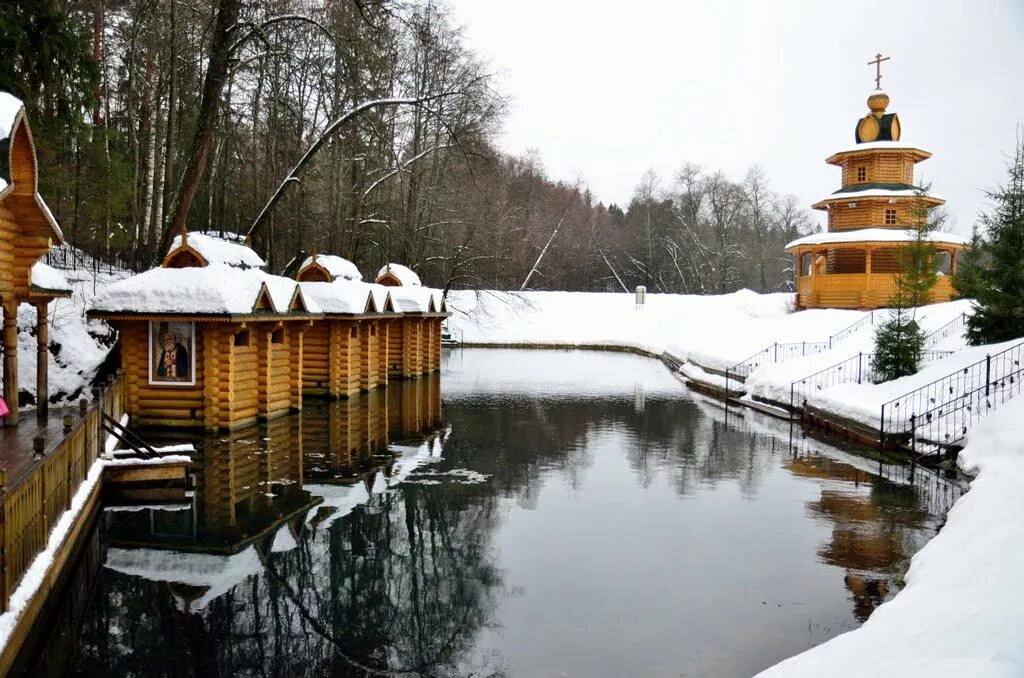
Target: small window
277,336
862,173
242,338
355,331
890,217
373,330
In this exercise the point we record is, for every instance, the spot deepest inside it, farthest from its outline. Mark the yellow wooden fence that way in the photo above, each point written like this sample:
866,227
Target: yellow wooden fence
30,507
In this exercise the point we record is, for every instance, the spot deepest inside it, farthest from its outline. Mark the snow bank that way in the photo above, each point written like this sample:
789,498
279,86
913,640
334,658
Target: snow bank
716,331
404,274
227,250
962,611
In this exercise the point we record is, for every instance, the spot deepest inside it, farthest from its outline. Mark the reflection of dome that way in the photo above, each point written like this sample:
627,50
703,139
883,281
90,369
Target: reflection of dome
878,102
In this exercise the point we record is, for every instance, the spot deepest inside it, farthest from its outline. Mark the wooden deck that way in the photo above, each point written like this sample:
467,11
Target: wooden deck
17,453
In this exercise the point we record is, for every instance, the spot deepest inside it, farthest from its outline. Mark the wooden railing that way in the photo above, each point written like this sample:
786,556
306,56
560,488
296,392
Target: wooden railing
35,502
857,290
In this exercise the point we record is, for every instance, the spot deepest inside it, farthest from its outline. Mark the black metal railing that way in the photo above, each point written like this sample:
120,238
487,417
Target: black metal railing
858,369
779,352
951,404
842,334
954,327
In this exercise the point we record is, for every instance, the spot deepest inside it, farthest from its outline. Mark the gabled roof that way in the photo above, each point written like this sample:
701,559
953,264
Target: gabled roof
216,289
19,181
334,266
211,248
349,297
402,275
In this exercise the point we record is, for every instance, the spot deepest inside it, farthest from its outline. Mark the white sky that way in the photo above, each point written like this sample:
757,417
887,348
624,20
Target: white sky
605,90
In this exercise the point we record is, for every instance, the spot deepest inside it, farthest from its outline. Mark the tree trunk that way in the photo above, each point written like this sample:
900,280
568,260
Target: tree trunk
213,86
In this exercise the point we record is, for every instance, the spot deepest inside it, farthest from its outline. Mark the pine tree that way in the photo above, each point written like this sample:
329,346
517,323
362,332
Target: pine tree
899,340
996,280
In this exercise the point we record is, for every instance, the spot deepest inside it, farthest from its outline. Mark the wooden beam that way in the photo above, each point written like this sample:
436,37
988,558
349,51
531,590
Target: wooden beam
42,364
10,341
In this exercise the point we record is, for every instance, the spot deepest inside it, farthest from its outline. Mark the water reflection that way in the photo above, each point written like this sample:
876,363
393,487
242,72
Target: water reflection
570,514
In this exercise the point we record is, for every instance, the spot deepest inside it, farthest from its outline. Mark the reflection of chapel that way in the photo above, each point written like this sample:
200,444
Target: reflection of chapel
854,264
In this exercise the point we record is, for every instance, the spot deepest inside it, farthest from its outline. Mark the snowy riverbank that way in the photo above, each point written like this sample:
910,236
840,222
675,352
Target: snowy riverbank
962,611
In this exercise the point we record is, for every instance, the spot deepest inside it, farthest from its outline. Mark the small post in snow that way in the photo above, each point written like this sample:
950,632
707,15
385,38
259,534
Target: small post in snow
641,296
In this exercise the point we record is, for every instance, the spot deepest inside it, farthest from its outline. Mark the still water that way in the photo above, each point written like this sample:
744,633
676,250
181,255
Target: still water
549,513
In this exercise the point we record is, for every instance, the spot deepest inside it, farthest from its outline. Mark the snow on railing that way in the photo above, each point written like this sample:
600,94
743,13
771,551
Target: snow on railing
780,352
859,368
940,413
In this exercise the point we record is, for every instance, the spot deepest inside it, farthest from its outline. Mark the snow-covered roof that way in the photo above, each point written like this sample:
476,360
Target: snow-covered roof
405,275
853,196
876,235
216,573
339,267
416,299
46,277
881,146
215,249
10,106
216,289
341,296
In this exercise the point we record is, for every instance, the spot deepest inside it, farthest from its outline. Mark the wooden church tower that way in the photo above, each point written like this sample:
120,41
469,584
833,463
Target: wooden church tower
872,215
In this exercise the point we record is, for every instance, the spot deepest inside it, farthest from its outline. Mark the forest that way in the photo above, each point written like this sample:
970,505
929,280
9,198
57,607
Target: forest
365,128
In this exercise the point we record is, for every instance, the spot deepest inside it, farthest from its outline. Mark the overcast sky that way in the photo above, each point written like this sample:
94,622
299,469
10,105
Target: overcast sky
606,90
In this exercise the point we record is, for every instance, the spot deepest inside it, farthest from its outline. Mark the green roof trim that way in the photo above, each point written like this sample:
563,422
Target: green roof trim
857,188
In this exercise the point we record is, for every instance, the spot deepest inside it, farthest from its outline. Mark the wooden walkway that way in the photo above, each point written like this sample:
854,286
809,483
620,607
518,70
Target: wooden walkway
17,450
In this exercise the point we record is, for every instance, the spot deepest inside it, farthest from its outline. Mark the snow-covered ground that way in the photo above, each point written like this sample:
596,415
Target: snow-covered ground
77,346
717,331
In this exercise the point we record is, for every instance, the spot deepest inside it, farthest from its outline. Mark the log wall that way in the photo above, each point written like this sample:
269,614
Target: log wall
263,369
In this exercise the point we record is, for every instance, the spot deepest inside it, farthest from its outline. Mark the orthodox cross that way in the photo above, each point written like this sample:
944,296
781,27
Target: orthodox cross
878,69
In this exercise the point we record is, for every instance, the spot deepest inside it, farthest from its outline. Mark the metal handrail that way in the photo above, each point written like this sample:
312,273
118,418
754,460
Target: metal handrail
934,336
899,414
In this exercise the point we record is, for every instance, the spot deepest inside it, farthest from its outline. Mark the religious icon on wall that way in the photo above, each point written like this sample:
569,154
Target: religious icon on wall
171,356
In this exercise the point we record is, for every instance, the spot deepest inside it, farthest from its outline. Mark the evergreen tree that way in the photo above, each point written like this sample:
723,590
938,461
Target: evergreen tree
995,276
899,340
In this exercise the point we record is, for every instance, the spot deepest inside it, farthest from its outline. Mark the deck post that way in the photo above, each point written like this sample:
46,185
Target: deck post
10,342
42,364
988,372
860,359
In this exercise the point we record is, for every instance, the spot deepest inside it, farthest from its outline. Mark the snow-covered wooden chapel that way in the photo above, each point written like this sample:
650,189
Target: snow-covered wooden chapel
855,263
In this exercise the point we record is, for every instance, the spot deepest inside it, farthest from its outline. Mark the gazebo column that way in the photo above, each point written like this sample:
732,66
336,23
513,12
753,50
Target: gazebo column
865,296
11,361
953,256
42,364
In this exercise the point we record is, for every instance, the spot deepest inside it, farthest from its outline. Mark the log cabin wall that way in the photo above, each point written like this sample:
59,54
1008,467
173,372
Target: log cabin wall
316,359
367,355
396,348
242,394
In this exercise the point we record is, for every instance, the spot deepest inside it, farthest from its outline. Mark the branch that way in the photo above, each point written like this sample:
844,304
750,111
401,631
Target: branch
257,30
294,175
543,251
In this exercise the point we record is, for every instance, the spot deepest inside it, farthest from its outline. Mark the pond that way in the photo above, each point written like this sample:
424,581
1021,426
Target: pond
549,513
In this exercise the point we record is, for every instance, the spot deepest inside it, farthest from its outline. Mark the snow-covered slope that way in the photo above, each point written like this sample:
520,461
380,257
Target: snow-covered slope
77,346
